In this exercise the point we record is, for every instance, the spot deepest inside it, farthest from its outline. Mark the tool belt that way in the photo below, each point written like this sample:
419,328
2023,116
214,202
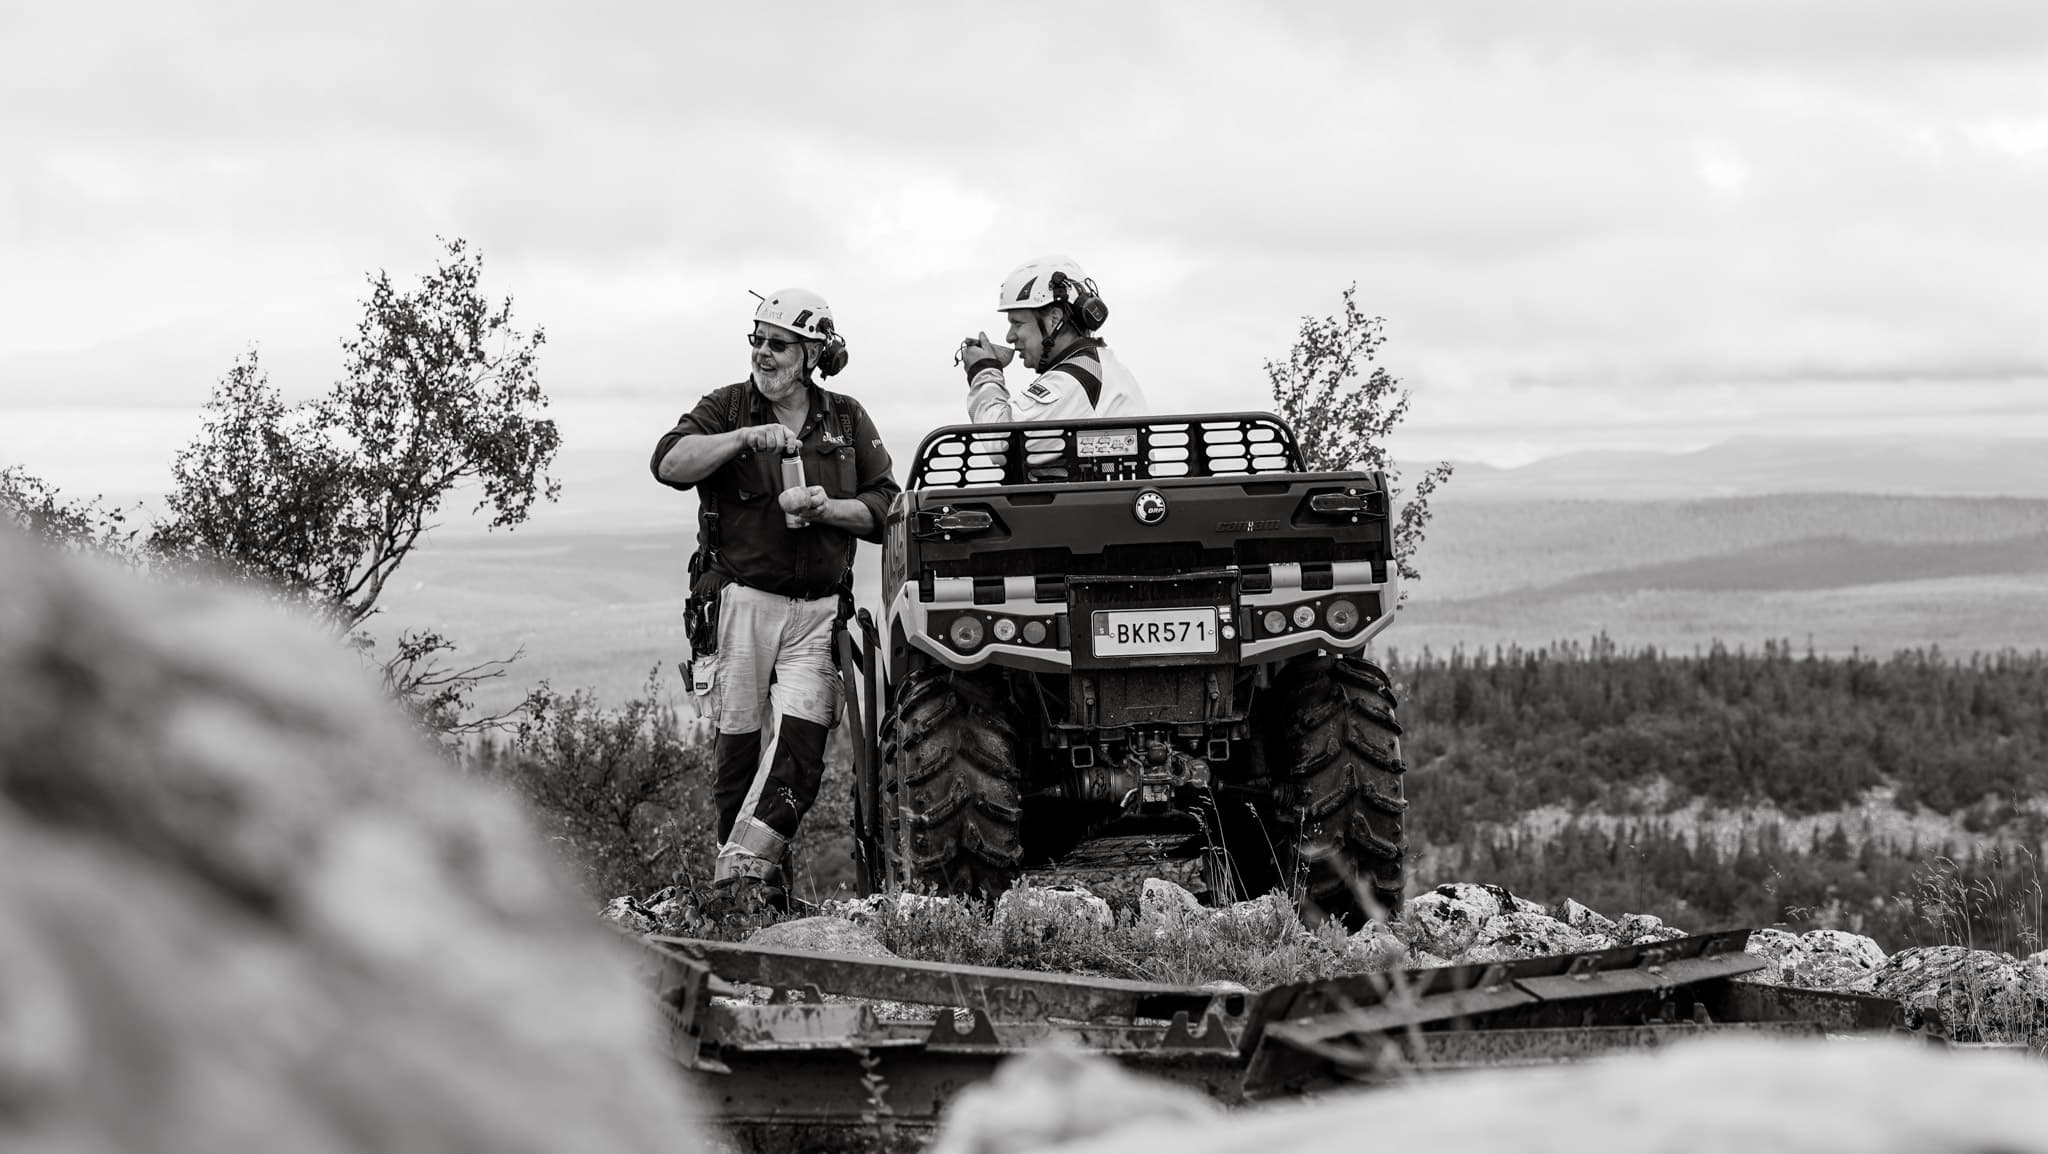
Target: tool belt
700,608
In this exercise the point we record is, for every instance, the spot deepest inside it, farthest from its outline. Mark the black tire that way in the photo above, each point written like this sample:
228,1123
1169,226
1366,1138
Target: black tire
952,784
1340,802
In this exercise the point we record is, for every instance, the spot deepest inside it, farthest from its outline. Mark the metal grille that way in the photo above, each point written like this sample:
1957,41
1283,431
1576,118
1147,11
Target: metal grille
1105,449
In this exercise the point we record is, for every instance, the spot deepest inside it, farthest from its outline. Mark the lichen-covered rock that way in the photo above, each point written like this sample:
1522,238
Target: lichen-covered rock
1164,906
1527,934
1836,960
1374,947
821,935
1779,949
1635,929
1969,995
1271,919
626,913
244,907
1816,960
1042,914
1584,920
876,907
1447,920
1488,900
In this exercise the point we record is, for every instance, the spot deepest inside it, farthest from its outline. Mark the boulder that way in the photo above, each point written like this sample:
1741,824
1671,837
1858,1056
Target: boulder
1041,914
1447,920
1584,920
1525,933
1780,949
1164,906
821,935
1271,919
1969,995
877,907
245,906
1635,929
1374,947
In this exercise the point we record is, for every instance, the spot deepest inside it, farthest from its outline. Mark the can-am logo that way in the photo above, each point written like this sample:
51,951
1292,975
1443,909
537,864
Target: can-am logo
1150,507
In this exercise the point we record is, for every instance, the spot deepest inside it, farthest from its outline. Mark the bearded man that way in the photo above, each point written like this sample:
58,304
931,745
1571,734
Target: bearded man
772,578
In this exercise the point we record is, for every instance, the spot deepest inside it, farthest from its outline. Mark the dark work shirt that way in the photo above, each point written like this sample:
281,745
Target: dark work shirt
755,547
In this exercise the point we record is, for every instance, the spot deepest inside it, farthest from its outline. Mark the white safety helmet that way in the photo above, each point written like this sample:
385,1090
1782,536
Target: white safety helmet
1030,286
801,311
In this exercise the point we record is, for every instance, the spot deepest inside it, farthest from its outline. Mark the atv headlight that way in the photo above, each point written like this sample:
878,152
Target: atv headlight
1034,632
1274,621
965,633
1304,616
1342,614
1006,629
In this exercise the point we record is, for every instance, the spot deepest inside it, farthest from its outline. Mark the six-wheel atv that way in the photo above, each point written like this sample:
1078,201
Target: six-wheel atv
1112,644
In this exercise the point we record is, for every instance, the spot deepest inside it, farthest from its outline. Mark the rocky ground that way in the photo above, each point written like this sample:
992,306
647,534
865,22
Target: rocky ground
1966,994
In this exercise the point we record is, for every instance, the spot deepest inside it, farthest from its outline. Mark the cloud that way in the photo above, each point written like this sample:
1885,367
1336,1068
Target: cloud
1611,206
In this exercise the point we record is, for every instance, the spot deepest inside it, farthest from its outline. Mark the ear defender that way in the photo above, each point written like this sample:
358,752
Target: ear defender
1088,307
832,358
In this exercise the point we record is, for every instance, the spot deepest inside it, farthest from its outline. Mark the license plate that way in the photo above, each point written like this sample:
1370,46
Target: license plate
1154,632
1112,443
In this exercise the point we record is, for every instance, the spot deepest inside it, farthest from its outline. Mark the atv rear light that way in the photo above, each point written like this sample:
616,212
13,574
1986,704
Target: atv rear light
1034,632
1006,629
1304,616
951,520
965,633
1351,501
1342,615
1274,621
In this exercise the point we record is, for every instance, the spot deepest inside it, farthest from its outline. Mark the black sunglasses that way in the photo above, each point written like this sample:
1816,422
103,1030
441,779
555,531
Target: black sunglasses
776,345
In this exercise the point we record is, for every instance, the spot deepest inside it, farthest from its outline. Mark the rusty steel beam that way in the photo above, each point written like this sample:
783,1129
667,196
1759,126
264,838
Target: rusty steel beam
1839,1012
1004,995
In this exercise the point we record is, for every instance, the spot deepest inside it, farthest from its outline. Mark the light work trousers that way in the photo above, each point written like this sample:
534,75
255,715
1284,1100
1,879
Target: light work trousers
778,693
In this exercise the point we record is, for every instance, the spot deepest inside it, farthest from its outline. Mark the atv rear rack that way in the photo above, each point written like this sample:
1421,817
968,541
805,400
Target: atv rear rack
797,1065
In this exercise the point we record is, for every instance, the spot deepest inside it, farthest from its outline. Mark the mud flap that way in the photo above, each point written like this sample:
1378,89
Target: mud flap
857,675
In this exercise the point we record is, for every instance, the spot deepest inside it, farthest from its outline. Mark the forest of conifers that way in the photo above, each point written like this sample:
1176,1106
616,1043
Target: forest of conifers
1612,734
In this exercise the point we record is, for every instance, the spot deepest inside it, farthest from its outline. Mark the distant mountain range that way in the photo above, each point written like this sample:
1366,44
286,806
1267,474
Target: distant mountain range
610,489
1752,466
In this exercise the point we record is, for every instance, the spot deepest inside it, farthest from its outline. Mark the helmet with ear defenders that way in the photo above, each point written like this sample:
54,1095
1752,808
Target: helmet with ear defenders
1050,280
806,314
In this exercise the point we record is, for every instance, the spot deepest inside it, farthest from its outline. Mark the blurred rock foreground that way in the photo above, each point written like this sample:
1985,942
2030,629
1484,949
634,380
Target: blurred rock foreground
243,909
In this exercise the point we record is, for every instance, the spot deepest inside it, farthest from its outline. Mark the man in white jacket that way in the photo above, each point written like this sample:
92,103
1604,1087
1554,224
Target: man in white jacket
1054,311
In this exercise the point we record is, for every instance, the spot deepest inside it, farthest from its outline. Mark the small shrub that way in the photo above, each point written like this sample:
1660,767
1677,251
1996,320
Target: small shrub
621,792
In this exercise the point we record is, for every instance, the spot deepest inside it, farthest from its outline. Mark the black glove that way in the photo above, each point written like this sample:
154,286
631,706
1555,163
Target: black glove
978,353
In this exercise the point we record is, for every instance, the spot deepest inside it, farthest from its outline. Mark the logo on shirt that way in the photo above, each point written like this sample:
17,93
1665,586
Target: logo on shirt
1039,391
1150,507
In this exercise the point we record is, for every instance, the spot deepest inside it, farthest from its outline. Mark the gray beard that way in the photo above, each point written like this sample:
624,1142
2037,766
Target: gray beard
780,384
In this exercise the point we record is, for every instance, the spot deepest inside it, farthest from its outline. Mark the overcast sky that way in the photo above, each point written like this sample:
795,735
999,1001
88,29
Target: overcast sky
1588,224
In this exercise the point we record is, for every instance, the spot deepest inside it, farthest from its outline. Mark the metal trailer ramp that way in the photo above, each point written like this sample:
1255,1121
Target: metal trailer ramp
833,1059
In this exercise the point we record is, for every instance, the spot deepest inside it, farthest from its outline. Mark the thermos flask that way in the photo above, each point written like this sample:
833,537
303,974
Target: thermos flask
793,478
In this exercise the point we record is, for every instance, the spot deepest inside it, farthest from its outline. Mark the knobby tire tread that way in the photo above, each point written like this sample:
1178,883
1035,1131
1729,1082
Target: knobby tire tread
1343,800
952,769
